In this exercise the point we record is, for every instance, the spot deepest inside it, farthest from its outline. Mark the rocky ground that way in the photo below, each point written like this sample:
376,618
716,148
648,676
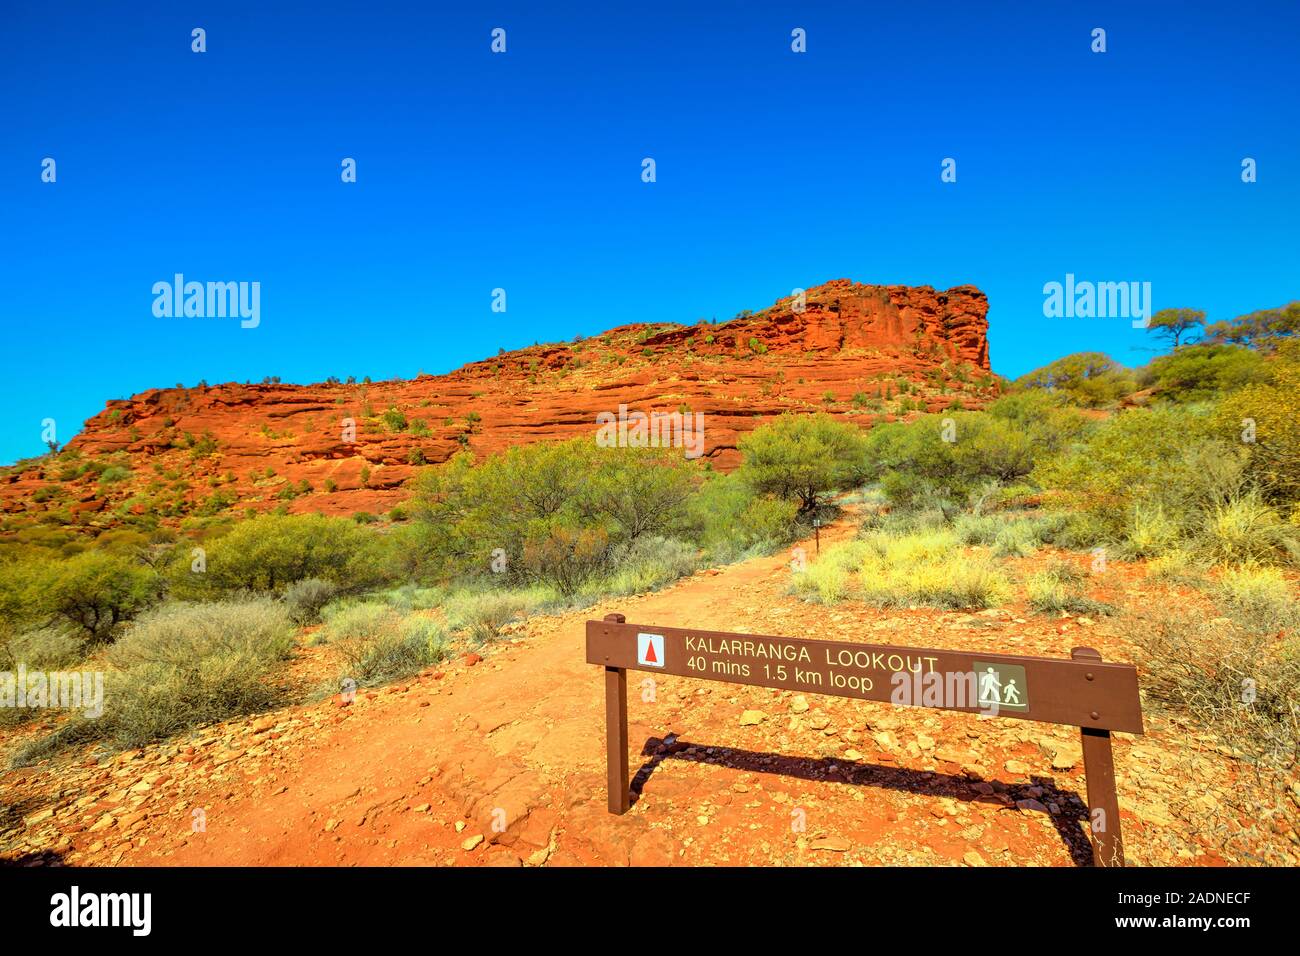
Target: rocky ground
498,759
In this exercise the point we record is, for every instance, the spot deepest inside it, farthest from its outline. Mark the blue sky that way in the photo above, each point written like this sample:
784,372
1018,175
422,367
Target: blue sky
775,170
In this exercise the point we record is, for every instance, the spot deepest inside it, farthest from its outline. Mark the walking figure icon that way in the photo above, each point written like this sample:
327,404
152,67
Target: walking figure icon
1002,686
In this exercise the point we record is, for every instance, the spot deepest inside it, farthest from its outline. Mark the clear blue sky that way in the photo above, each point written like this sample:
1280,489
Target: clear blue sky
522,171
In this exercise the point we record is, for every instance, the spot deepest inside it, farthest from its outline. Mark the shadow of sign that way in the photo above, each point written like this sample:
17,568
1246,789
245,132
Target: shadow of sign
1069,823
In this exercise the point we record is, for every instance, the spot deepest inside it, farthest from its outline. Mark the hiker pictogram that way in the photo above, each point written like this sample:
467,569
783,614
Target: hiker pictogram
1002,686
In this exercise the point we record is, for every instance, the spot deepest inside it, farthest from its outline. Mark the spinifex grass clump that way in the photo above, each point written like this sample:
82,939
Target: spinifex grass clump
1059,588
378,642
1260,599
928,568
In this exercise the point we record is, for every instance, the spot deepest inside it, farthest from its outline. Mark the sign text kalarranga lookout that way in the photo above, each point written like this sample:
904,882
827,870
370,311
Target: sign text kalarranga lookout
1096,696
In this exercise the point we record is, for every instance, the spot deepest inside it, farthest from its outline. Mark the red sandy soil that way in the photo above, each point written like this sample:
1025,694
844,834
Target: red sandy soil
851,339
500,760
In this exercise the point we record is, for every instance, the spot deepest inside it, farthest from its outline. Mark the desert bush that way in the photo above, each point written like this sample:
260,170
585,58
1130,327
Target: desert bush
1257,598
385,644
1271,410
729,519
1176,567
555,509
44,648
181,666
351,617
1010,534
978,529
566,558
828,579
1146,477
1242,684
53,648
183,635
394,419
916,463
1047,418
414,597
380,641
304,599
1151,531
959,581
1024,535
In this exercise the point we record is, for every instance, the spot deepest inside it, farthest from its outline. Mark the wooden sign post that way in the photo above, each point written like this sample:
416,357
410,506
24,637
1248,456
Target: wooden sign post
1086,692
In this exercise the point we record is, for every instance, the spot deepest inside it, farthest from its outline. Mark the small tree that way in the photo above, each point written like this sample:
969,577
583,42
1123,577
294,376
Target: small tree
803,458
1175,323
272,551
97,591
1262,330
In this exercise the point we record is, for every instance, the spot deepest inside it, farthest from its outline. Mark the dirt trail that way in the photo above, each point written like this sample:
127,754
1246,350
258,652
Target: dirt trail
501,761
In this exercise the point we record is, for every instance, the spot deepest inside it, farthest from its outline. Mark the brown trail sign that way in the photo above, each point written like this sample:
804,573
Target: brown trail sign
1085,692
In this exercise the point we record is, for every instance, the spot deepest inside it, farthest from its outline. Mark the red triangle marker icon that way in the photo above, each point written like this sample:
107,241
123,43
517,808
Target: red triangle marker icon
650,653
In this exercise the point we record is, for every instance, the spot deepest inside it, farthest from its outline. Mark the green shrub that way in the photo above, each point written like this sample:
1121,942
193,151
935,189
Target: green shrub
555,509
915,462
268,552
1272,411
395,419
978,529
413,597
95,591
1090,379
730,520
1151,531
828,579
1205,371
1147,475
564,557
114,474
